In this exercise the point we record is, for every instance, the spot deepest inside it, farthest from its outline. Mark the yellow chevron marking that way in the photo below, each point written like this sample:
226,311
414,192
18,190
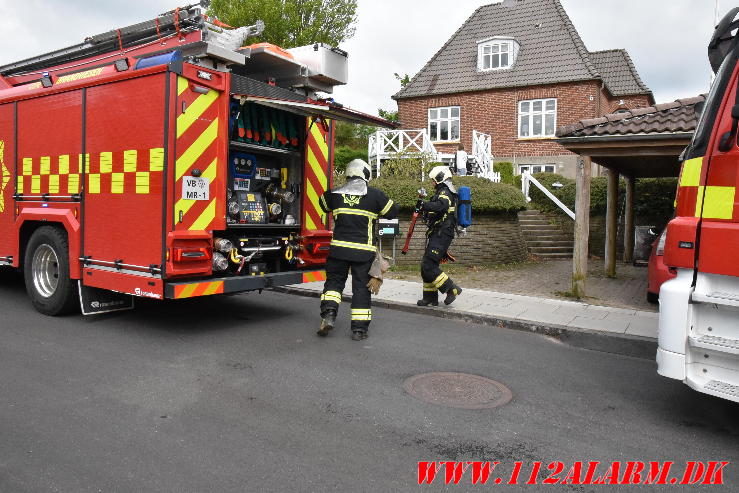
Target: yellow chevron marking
212,288
196,149
195,111
316,168
130,161
313,197
205,218
188,290
182,85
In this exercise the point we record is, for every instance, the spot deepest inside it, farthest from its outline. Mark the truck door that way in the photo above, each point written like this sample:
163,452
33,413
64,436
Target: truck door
124,182
7,185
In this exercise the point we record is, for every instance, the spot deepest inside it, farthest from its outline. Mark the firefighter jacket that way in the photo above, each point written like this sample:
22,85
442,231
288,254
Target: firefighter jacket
439,212
354,221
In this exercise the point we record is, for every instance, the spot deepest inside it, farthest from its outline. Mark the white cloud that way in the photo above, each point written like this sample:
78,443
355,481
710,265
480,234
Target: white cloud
667,39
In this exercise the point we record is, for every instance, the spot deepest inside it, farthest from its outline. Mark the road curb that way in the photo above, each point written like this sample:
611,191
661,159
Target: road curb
607,342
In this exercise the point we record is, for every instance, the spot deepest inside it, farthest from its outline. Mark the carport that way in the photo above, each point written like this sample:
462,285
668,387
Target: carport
639,143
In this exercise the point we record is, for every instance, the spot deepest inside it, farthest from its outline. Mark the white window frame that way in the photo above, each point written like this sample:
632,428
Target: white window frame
532,168
449,120
489,48
531,115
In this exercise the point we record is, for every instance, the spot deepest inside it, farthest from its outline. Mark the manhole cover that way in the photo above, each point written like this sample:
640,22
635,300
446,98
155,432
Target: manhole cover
459,390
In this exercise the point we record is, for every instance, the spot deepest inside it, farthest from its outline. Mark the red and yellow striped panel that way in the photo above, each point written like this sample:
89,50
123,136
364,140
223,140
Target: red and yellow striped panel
316,174
198,289
313,276
197,132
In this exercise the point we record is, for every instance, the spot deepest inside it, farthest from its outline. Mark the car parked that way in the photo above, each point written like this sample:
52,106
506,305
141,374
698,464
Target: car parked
657,272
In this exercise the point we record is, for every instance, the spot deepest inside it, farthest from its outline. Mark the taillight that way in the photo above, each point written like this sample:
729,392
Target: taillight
661,243
190,254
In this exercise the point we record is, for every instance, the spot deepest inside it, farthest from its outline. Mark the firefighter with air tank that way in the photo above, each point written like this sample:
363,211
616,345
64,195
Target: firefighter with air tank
440,216
355,207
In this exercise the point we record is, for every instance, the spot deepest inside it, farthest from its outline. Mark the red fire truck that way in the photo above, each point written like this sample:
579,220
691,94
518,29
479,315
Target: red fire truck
699,309
163,160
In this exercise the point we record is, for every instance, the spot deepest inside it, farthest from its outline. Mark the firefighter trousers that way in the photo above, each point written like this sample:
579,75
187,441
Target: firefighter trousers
434,279
337,271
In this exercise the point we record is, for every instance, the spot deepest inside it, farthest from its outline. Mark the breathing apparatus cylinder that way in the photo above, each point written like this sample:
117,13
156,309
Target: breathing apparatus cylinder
464,209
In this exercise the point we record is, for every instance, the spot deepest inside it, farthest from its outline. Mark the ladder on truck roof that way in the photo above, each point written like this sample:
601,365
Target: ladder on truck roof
177,22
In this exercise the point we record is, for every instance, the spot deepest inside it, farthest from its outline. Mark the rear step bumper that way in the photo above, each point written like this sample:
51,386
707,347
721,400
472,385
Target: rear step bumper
221,285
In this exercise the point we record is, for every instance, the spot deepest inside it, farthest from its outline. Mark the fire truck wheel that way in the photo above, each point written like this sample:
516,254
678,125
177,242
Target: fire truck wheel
46,271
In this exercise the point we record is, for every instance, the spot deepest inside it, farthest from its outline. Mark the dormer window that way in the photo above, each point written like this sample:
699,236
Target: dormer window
496,53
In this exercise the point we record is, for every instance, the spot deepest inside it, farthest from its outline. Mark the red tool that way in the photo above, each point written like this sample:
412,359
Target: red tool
414,218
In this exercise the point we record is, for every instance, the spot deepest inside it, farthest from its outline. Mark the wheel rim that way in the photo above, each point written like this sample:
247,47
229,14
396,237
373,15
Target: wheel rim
45,271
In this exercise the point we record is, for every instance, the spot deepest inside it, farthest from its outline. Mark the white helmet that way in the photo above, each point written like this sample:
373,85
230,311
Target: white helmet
358,168
440,174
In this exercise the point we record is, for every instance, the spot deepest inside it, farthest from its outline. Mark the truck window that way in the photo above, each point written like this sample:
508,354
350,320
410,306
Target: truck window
702,134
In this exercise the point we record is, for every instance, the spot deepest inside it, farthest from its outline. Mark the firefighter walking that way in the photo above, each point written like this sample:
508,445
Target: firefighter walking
439,213
355,207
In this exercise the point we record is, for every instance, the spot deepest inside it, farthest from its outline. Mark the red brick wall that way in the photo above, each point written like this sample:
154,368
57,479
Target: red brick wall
630,103
496,112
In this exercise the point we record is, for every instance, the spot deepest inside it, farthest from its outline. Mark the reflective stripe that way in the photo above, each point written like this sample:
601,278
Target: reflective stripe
331,296
387,207
323,204
440,279
447,198
355,212
427,286
361,314
356,246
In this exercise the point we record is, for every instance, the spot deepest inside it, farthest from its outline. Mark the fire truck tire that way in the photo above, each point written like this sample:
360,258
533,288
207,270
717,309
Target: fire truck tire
46,272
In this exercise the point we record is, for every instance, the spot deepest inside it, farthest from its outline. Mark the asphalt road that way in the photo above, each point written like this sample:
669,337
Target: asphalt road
238,394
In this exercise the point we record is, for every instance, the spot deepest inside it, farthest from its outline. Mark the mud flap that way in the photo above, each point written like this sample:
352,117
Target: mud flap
94,301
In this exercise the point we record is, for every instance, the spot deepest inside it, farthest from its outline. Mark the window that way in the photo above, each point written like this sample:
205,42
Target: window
536,168
444,124
537,118
496,54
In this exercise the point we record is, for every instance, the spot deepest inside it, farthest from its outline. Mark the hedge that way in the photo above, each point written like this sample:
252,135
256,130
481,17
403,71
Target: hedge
505,168
344,154
653,196
487,197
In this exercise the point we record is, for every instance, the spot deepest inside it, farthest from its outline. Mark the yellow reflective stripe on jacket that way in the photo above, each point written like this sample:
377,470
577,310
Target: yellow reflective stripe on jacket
356,246
442,196
355,212
323,204
387,207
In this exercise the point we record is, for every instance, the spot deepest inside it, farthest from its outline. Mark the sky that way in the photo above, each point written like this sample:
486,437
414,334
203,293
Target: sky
666,39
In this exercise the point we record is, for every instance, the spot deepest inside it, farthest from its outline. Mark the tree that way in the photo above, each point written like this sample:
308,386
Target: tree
291,23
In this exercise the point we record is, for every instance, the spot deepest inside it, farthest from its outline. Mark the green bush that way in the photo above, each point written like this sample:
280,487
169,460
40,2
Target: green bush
655,197
505,169
487,197
409,166
344,154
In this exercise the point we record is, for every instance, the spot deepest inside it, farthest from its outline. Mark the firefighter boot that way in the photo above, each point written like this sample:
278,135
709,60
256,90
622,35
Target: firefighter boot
359,331
430,296
452,293
328,319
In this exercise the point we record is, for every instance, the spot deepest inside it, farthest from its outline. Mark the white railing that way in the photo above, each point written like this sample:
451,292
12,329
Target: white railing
385,144
482,153
388,144
526,179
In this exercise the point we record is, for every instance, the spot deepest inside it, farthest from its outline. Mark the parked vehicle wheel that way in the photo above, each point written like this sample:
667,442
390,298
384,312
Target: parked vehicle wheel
652,298
46,272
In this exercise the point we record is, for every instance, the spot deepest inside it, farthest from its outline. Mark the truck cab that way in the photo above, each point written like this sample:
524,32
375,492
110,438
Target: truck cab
698,340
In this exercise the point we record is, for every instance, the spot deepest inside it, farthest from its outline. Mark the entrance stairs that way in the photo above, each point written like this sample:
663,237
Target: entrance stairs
544,239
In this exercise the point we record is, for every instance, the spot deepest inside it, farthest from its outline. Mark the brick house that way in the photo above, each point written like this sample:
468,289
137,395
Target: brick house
517,70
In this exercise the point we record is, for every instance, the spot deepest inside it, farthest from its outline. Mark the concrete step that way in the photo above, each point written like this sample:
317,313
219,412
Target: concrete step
529,222
545,231
529,212
548,237
554,255
549,243
543,250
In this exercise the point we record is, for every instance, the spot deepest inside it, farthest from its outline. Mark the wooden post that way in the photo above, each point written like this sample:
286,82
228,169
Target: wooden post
611,226
582,227
629,221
